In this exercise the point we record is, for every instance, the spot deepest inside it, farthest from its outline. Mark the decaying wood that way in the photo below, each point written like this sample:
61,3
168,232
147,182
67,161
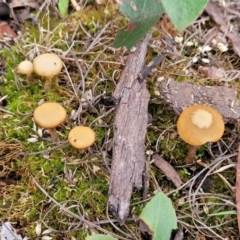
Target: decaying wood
238,189
130,126
178,96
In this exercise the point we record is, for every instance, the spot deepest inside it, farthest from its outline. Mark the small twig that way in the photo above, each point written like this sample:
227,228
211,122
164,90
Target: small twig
146,178
25,118
147,69
59,146
6,111
75,5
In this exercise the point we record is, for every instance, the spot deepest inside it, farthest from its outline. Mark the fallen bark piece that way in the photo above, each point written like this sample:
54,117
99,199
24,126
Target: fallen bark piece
167,169
238,188
130,126
179,96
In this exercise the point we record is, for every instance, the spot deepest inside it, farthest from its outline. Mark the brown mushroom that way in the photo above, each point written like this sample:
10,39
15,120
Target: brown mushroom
81,137
47,65
198,125
50,115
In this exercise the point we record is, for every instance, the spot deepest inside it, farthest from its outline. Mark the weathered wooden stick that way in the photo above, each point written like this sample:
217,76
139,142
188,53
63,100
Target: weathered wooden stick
130,128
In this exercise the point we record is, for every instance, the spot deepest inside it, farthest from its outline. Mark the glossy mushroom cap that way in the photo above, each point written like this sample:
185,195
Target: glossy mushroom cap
47,65
49,115
81,137
199,124
25,67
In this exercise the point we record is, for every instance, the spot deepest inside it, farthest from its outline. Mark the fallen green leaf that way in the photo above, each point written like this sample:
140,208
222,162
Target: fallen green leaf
143,15
160,217
183,12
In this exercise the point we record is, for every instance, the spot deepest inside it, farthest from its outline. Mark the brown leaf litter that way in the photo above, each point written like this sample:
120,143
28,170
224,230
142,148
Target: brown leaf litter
216,13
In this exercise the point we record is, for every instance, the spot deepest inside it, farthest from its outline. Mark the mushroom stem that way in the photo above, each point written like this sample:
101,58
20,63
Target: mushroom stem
191,154
82,151
53,134
48,83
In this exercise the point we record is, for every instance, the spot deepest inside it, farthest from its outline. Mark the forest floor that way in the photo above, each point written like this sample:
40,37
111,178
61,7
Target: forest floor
52,191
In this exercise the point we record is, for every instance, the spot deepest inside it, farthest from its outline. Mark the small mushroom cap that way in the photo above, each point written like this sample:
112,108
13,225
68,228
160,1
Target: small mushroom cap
49,115
199,124
81,137
47,65
25,67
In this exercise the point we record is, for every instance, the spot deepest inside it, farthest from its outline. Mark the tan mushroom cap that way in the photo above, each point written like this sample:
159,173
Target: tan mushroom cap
81,137
47,65
49,115
199,124
25,67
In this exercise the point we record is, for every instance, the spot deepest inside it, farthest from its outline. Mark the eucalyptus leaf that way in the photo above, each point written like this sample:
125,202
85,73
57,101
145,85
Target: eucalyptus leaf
183,12
160,217
143,15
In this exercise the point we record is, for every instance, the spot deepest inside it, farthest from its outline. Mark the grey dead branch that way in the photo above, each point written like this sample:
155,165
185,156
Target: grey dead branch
130,126
178,96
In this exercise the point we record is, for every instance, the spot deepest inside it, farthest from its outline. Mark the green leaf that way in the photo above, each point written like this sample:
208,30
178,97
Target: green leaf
183,12
63,7
143,15
160,217
100,237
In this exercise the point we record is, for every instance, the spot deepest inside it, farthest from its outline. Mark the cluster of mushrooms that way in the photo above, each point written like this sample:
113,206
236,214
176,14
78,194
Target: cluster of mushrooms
196,125
50,115
45,65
